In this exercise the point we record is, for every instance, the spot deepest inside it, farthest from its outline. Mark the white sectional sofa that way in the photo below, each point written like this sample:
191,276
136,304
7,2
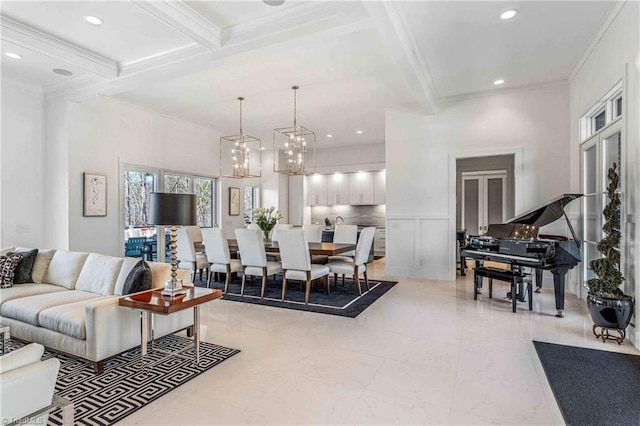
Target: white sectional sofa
72,305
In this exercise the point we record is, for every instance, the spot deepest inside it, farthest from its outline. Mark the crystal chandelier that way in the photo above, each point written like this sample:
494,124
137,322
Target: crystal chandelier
294,148
240,155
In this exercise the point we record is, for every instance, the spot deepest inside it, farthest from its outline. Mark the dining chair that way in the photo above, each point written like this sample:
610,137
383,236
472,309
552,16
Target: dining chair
254,258
358,265
186,252
345,234
296,262
134,247
252,226
195,233
279,227
218,255
314,235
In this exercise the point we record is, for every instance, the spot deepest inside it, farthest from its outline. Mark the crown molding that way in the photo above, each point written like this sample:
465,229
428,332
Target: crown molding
44,44
162,59
315,16
73,85
403,46
612,14
505,91
182,18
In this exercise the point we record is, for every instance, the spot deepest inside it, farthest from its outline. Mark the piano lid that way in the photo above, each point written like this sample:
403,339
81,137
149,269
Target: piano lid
546,213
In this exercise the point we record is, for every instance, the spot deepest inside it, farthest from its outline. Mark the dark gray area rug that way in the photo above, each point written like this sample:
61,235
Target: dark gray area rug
342,300
593,387
128,383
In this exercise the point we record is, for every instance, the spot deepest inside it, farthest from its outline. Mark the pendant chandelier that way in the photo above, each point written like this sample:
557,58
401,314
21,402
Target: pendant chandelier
294,148
240,155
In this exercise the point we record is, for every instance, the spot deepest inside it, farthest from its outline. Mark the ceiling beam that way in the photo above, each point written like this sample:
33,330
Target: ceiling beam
45,44
182,18
402,44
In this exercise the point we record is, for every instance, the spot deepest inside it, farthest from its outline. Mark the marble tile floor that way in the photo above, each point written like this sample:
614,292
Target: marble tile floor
425,353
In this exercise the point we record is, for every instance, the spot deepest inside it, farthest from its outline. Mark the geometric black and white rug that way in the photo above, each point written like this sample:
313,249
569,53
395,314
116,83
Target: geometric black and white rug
126,384
342,300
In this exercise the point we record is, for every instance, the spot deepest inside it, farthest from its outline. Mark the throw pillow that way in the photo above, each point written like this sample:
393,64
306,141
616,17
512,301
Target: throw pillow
8,265
139,278
23,270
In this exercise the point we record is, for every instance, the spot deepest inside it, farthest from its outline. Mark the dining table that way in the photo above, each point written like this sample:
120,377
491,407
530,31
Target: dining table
326,249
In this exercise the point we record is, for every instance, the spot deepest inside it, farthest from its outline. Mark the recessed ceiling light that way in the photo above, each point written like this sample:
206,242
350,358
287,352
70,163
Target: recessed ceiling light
359,132
508,14
329,135
13,55
93,20
273,2
62,71
498,82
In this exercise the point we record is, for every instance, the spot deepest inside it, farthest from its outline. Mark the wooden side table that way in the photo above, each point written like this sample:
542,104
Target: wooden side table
153,302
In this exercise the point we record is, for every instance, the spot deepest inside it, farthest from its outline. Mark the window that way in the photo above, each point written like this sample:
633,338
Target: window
251,202
138,186
602,114
140,182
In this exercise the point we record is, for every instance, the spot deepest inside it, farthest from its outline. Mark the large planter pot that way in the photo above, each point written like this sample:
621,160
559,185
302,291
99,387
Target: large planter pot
610,313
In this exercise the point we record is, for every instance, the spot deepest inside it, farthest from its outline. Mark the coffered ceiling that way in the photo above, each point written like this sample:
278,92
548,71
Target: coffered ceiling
352,59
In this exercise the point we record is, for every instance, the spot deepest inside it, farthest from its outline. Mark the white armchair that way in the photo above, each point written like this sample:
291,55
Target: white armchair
27,385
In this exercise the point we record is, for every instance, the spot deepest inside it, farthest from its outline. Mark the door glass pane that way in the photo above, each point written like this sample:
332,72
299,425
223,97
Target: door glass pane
470,193
138,186
176,184
591,218
613,154
494,200
590,170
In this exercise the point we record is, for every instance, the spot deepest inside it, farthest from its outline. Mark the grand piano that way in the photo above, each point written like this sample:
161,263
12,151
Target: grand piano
518,244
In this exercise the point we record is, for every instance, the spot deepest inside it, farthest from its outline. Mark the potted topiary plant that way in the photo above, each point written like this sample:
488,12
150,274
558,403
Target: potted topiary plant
609,307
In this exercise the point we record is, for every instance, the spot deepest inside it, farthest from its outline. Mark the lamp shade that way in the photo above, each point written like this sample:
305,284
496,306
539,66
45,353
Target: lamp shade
172,209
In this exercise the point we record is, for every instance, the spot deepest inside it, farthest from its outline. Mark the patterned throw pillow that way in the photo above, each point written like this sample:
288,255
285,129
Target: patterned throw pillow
8,265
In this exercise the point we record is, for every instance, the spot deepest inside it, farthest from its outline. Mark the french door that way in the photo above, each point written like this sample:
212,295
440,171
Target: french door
598,155
483,200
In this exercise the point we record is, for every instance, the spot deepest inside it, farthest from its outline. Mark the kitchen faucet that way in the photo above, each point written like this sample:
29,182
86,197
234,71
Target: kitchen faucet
339,220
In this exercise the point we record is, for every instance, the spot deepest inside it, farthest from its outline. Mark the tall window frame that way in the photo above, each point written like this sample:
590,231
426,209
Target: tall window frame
251,200
599,149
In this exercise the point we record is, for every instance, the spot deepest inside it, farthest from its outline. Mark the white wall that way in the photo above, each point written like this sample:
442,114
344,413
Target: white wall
420,162
22,166
103,135
616,54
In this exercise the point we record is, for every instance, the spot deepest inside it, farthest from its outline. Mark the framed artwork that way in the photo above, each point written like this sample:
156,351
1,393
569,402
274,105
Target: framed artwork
234,201
95,195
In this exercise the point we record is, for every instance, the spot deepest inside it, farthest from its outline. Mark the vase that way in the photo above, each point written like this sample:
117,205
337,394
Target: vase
266,237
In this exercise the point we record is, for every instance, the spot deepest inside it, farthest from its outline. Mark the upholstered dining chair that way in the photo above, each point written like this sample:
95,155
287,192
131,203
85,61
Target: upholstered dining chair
219,257
134,247
345,234
254,258
186,254
296,262
279,227
358,265
314,235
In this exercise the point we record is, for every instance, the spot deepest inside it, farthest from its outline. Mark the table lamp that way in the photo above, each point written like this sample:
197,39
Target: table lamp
173,210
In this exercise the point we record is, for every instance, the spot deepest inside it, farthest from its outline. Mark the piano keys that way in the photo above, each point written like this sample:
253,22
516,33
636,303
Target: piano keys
517,243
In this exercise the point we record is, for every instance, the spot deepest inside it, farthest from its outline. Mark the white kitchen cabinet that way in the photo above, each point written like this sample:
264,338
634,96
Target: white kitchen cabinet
338,189
361,188
380,187
317,190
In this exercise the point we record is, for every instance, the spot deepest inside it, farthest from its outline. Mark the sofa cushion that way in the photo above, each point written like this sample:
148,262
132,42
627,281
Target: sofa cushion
25,290
65,268
69,319
127,265
23,270
27,309
139,278
8,264
41,264
99,274
7,250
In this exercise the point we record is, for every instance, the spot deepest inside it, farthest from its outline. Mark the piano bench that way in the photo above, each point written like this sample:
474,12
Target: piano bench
514,277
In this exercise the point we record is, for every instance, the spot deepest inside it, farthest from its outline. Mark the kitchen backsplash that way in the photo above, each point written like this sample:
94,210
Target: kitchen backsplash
352,215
